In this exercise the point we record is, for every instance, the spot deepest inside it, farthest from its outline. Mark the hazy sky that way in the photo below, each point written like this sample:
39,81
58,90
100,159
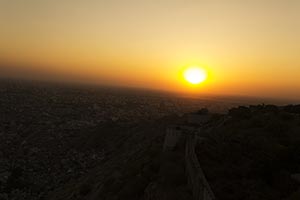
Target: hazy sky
249,47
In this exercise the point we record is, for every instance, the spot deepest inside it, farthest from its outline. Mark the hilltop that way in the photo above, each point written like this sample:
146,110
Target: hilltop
76,143
254,154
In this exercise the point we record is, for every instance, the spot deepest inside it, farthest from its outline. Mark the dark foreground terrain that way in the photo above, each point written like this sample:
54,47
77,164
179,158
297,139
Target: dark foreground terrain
71,142
76,143
254,154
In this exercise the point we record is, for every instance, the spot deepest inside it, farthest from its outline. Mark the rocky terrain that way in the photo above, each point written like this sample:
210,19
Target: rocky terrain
254,154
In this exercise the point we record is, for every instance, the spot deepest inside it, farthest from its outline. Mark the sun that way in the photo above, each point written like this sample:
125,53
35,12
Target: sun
195,75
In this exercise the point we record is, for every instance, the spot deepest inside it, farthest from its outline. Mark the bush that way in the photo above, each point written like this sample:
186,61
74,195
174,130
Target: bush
241,112
134,188
294,196
271,108
287,116
85,189
292,109
277,128
257,122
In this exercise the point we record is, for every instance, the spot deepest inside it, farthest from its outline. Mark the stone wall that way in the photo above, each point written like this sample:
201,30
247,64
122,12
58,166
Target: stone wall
196,178
172,137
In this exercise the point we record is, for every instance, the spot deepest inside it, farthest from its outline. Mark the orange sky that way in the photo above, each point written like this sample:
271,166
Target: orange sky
248,47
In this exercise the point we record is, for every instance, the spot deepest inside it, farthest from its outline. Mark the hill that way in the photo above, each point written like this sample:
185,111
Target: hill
254,154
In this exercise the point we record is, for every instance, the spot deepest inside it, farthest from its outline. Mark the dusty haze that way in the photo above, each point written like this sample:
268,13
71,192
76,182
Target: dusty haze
249,48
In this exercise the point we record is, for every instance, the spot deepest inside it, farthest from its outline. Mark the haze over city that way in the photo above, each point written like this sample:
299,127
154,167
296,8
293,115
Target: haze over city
247,48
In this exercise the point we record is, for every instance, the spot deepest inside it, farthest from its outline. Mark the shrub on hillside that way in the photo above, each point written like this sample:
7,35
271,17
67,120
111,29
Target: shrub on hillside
276,127
271,108
241,112
257,122
287,116
292,109
85,189
134,188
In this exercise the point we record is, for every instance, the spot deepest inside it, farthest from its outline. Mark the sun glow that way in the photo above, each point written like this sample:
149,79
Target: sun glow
195,75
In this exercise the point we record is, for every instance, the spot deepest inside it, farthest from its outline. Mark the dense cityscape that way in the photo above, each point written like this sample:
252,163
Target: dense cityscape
52,134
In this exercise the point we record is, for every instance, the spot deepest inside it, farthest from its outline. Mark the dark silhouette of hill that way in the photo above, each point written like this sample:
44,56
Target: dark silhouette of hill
254,154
